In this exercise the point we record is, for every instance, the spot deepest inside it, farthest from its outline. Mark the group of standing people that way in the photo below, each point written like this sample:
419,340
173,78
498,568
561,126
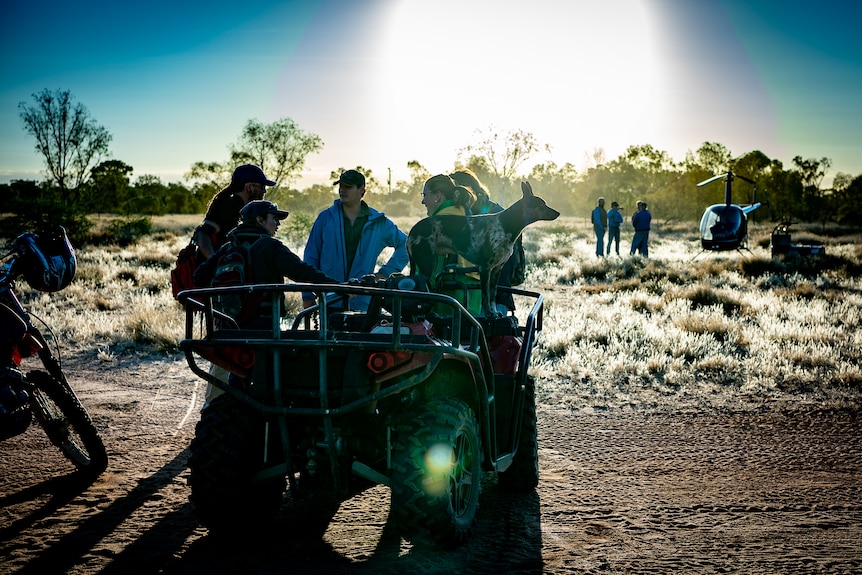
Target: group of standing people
611,220
346,239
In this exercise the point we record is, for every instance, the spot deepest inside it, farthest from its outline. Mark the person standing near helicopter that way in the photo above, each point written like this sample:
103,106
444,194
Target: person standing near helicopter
615,220
600,225
641,221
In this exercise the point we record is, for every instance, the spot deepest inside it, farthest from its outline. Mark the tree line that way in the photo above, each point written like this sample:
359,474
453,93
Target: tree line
83,179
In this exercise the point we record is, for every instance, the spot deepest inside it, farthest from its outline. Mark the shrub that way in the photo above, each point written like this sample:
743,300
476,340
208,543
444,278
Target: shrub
127,231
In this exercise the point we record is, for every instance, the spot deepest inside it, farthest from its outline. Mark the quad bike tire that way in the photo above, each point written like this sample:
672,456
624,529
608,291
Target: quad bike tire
226,454
436,504
66,423
523,474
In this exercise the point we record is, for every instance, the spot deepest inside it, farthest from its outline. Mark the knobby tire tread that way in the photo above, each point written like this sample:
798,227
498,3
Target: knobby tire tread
88,454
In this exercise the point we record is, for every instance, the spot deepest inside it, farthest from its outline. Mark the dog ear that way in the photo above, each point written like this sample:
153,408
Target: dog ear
526,189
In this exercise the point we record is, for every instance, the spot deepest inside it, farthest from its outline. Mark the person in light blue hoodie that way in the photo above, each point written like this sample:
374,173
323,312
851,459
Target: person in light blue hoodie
348,237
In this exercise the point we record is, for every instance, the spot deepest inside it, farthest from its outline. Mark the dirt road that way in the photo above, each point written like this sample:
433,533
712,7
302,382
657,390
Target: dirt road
635,492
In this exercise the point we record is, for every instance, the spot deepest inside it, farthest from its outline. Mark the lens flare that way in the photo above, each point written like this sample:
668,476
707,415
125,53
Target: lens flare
440,458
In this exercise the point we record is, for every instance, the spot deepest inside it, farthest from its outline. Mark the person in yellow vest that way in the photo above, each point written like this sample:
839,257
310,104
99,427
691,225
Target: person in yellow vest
441,196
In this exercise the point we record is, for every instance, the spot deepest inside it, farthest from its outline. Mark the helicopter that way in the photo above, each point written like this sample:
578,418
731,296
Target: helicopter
724,227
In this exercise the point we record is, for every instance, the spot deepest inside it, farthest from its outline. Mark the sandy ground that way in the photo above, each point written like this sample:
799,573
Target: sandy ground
620,492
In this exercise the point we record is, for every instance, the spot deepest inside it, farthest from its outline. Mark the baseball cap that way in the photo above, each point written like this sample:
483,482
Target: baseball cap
250,174
255,208
350,178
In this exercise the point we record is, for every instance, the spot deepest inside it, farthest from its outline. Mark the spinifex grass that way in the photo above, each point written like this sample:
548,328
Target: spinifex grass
732,331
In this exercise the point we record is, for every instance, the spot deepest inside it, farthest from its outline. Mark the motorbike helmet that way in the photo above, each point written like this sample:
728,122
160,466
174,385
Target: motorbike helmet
48,261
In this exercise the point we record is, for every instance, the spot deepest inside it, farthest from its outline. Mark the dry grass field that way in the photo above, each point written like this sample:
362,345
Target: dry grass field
680,330
696,415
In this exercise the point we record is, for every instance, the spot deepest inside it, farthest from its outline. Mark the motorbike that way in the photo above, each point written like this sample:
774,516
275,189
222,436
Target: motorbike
47,263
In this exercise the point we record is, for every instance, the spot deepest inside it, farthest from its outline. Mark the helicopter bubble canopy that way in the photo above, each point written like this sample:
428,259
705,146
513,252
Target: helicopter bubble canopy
723,227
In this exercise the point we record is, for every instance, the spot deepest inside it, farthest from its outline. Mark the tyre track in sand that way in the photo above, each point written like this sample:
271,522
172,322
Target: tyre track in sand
619,492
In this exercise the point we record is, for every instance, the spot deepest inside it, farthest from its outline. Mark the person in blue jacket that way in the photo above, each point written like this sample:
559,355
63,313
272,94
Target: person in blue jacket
641,223
348,237
599,218
615,220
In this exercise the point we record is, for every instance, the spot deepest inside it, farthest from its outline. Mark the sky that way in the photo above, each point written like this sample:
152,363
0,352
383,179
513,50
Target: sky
386,82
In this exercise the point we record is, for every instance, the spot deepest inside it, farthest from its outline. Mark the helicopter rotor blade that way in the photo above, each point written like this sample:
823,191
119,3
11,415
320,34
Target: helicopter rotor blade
712,179
743,178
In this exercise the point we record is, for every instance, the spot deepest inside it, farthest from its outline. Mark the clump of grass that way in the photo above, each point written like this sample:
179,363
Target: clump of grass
549,257
719,327
702,295
641,303
568,276
659,271
154,322
803,290
625,285
596,270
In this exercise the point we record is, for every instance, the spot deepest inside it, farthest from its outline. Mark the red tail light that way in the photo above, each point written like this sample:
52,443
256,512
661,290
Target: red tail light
238,360
382,361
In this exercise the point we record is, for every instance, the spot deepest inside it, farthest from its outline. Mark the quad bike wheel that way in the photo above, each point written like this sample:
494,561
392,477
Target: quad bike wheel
226,454
436,477
66,423
523,474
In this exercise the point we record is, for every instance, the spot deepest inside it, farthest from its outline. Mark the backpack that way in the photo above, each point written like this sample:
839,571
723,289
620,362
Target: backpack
519,265
184,270
233,268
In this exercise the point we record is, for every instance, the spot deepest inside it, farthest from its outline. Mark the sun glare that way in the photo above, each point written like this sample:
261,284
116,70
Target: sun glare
578,75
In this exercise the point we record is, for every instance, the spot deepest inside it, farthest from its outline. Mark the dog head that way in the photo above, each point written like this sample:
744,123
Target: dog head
534,207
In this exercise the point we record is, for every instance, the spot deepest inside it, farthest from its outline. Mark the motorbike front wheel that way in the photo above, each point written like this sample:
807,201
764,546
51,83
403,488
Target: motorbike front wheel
67,423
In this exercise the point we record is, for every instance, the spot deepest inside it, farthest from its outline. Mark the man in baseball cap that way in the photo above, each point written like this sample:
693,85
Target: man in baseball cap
271,262
250,174
260,208
351,178
247,183
334,240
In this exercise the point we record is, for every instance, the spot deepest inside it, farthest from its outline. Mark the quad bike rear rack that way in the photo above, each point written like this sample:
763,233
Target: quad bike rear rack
208,333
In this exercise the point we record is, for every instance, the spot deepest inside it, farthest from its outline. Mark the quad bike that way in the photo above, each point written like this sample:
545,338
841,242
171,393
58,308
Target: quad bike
47,264
414,393
780,243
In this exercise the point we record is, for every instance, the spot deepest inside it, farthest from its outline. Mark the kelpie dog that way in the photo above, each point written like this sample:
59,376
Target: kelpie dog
486,240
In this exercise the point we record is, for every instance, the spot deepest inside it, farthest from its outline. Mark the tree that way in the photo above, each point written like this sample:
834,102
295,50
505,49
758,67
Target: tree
556,185
279,148
647,158
147,196
848,199
712,157
404,200
594,158
108,186
206,179
504,153
68,138
812,172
